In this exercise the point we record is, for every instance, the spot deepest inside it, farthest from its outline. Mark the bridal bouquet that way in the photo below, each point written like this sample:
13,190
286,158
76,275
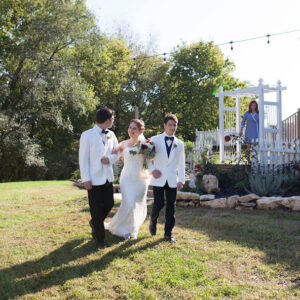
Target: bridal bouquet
145,147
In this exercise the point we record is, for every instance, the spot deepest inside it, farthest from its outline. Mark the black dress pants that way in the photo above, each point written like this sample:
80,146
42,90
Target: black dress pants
101,201
159,201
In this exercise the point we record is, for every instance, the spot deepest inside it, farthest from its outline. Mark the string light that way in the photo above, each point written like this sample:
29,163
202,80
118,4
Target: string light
217,45
197,53
105,64
134,62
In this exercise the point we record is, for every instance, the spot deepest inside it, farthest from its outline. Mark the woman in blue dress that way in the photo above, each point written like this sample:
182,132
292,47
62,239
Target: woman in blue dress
252,129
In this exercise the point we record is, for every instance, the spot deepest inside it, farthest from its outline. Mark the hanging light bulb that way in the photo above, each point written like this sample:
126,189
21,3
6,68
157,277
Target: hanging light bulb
165,59
231,47
106,70
134,62
268,36
197,53
78,74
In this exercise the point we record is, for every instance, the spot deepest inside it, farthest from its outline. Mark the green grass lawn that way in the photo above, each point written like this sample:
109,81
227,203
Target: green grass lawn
46,252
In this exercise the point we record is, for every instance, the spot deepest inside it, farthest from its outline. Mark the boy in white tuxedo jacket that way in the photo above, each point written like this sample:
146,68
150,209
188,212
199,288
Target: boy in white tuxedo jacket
168,170
96,160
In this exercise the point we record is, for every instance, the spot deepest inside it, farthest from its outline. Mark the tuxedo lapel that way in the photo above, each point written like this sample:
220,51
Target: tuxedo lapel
164,146
99,139
108,138
173,149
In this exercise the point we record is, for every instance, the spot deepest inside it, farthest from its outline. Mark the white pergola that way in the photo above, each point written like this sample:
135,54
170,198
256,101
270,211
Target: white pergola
257,91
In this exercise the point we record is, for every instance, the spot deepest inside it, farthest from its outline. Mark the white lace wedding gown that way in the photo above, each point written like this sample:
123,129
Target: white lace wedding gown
134,185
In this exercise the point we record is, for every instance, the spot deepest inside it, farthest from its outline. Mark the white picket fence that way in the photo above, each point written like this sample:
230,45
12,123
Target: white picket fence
270,155
201,148
212,135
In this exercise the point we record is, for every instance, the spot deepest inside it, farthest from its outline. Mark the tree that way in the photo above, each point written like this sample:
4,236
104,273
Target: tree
196,73
41,96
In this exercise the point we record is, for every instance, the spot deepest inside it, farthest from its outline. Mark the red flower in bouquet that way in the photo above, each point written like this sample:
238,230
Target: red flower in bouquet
227,138
144,147
198,167
297,168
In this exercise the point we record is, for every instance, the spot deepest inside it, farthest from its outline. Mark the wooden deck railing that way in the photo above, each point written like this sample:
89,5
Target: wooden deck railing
291,127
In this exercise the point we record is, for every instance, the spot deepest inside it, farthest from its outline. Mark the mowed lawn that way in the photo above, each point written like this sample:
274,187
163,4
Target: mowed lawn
46,252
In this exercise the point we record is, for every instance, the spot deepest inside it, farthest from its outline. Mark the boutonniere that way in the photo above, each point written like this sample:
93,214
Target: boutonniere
108,136
175,145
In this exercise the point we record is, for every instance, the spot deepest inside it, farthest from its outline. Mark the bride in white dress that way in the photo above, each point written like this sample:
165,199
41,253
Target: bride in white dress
133,184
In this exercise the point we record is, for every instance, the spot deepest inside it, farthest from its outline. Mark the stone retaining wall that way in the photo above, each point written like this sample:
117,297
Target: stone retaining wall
247,202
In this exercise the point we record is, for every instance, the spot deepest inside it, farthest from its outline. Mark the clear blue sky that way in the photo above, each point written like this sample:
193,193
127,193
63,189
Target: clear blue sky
169,22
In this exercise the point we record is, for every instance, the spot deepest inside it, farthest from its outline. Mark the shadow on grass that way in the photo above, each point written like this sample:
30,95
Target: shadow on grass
277,234
13,281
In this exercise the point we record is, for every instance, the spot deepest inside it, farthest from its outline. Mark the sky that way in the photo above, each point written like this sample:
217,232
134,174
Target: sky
167,23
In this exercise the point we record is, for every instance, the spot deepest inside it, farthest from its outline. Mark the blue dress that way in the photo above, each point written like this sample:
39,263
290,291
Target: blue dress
252,128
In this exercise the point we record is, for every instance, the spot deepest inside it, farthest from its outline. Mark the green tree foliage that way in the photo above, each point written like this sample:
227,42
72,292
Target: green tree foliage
197,72
43,101
57,68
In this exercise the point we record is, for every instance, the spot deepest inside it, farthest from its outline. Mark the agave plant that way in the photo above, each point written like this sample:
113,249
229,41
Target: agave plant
268,184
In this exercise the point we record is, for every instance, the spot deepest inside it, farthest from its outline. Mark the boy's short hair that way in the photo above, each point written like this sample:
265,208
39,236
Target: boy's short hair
170,117
104,114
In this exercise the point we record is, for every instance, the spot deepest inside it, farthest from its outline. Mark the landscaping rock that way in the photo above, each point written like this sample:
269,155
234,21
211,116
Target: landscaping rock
248,204
150,193
207,197
192,183
116,188
269,202
181,204
248,198
291,202
118,196
232,201
217,203
187,196
210,184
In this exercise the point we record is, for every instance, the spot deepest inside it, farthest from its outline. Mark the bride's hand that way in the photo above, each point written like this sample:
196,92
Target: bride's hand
115,150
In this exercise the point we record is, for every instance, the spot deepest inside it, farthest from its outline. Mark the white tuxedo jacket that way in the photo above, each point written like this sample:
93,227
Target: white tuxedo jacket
172,167
91,150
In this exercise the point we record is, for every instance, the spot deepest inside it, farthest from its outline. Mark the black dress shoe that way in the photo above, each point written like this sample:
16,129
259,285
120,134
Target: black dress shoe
170,239
101,245
152,228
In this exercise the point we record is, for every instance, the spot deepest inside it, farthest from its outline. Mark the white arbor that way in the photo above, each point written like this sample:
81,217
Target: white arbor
270,114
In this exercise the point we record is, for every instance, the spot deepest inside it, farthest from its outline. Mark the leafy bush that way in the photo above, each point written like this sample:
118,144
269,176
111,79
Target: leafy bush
241,185
76,174
188,145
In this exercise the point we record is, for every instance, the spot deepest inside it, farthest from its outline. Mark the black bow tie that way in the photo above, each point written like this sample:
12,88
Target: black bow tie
104,131
167,138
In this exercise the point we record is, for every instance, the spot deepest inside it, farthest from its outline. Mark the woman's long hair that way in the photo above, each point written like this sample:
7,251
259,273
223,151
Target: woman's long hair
249,107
